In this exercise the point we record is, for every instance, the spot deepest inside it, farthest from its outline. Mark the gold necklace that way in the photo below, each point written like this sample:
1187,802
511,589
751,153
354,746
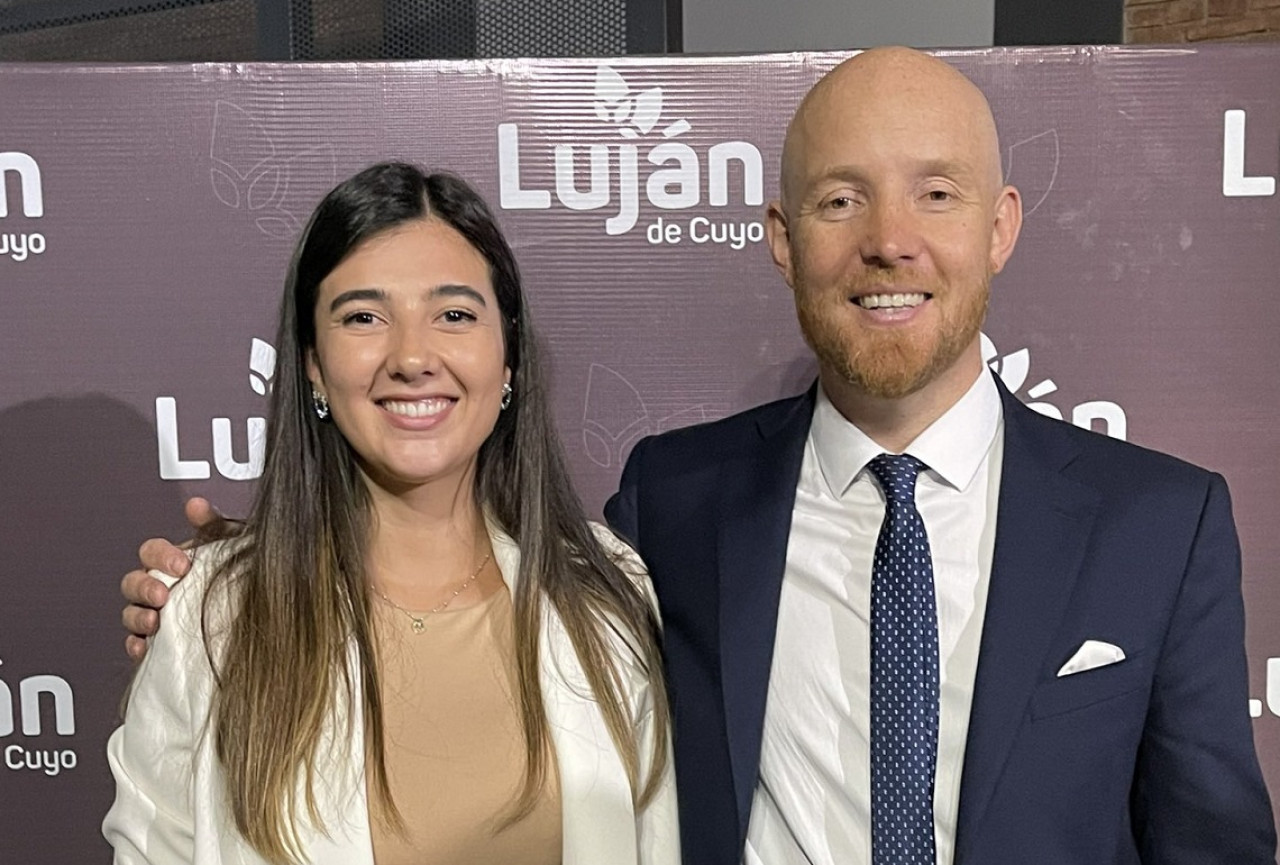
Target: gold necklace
419,622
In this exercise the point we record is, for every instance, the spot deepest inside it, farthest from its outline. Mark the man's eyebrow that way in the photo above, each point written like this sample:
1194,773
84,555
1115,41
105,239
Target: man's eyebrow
924,168
357,294
453,289
851,173
946,168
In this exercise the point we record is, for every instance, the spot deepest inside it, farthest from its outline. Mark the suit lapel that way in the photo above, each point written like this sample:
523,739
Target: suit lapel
1042,529
758,490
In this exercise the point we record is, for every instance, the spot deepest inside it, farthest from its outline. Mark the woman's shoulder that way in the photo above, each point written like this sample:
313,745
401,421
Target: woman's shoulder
201,597
625,557
178,661
620,551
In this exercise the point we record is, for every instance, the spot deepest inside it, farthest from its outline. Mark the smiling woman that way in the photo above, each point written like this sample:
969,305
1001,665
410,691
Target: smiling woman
391,654
409,354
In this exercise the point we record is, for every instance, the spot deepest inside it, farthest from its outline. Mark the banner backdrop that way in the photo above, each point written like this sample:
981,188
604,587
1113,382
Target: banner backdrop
148,213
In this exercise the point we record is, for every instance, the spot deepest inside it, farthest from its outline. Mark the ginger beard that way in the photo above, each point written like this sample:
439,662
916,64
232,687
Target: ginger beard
887,363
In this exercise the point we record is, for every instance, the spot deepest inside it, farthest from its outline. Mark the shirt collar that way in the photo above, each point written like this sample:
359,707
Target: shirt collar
953,447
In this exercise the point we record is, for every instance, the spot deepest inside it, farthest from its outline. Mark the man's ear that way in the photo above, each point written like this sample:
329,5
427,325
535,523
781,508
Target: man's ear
778,234
1006,227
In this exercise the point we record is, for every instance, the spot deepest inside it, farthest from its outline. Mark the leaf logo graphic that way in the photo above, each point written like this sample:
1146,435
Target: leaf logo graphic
1032,166
682,418
262,366
1012,368
615,417
616,104
1100,415
250,173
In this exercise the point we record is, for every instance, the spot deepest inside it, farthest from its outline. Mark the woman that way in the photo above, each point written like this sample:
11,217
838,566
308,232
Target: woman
417,650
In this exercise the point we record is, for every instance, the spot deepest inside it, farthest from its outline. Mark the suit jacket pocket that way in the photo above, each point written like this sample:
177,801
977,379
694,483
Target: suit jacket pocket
1081,690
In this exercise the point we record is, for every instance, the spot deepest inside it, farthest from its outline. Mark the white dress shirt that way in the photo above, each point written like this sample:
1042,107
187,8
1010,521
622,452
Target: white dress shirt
812,804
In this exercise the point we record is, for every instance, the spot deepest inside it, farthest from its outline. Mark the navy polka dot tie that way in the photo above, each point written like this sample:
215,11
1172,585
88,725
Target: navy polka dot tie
904,674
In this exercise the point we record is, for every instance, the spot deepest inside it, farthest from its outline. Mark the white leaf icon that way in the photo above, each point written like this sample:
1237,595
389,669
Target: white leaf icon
262,365
620,113
1043,389
989,351
610,86
648,109
1013,369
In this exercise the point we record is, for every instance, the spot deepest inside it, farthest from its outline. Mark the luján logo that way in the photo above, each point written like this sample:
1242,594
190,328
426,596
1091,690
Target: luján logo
1272,703
1235,183
174,466
38,699
628,154
19,245
1099,415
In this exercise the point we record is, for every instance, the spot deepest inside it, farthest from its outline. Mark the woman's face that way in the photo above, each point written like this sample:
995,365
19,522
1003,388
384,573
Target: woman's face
409,352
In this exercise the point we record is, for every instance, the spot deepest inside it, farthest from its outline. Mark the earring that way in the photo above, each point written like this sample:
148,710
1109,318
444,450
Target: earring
320,403
506,397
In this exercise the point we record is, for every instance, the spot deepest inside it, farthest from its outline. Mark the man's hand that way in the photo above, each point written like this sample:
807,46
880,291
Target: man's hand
145,593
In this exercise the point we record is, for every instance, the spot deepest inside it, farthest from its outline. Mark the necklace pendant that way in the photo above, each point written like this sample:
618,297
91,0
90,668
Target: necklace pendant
419,625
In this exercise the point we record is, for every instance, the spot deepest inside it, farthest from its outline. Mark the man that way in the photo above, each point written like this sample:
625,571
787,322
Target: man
907,619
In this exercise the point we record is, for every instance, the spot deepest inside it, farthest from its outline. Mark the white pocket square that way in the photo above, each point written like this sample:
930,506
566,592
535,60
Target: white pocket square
1091,655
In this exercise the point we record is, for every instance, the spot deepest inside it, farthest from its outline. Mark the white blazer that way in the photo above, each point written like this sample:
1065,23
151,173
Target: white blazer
170,806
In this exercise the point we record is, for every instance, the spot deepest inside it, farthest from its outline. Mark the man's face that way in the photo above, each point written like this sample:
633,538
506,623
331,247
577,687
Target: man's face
889,232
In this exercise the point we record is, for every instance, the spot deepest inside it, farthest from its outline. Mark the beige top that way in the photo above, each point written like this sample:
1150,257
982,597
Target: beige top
455,751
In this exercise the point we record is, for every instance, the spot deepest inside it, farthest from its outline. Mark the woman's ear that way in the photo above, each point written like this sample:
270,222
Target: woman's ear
314,375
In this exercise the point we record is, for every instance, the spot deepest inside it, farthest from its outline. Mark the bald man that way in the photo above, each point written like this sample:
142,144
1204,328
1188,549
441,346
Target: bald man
907,619
1073,687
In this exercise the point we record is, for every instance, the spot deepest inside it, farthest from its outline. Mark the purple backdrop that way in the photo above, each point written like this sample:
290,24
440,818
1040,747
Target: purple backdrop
148,214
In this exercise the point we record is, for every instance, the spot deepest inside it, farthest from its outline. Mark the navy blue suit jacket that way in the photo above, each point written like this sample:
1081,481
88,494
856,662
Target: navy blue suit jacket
1150,760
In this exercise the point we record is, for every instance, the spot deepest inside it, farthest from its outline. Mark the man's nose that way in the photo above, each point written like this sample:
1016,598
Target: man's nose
891,234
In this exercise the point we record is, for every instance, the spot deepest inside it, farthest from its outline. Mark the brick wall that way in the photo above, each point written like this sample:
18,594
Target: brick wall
1165,21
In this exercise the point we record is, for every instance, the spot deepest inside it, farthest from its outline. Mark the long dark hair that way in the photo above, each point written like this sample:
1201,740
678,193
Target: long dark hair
300,588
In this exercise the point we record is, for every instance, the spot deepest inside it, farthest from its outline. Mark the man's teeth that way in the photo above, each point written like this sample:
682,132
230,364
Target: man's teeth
420,408
880,301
